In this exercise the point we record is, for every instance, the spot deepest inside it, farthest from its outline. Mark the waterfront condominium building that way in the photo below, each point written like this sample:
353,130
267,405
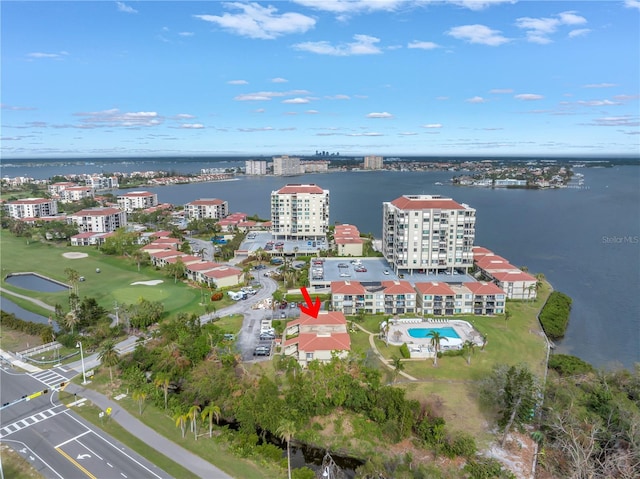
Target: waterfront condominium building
31,208
300,212
137,200
99,220
206,208
286,166
255,167
429,234
372,162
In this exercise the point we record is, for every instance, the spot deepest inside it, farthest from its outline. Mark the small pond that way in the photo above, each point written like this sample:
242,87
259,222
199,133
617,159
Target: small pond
9,306
35,282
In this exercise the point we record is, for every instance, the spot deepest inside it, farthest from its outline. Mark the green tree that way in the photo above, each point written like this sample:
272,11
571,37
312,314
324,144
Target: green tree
140,396
286,430
71,319
398,366
163,381
176,269
109,356
208,413
468,347
73,277
436,338
507,317
140,257
193,414
181,420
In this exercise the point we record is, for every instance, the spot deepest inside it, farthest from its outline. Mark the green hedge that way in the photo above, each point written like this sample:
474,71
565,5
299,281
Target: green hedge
567,365
9,321
404,351
554,316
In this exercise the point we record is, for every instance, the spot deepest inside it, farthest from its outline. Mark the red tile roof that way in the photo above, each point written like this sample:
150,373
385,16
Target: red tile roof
297,189
98,212
309,342
515,275
206,202
408,203
483,288
31,201
324,317
223,272
135,194
434,288
347,287
203,266
168,253
397,287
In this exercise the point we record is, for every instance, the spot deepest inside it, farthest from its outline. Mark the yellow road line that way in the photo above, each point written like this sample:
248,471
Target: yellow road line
75,463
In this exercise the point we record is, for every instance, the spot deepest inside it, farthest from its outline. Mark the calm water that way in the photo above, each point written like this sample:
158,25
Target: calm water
36,283
584,241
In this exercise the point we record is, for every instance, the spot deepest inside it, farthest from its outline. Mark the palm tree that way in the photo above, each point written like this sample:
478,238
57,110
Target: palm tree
176,269
181,420
193,416
209,413
109,356
140,396
71,319
507,317
73,277
139,256
436,337
285,432
398,366
162,381
468,347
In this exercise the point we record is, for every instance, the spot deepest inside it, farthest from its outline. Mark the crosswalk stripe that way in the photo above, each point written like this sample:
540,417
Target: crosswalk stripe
23,423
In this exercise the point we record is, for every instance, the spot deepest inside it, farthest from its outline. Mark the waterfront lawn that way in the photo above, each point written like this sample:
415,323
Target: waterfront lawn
113,283
12,340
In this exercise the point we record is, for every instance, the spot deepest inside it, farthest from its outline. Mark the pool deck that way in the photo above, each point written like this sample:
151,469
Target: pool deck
421,347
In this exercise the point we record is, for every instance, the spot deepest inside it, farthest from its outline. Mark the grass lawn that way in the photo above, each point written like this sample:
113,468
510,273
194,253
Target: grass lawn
113,283
11,340
213,450
15,466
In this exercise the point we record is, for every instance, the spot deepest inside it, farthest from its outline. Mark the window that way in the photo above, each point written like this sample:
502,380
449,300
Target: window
309,356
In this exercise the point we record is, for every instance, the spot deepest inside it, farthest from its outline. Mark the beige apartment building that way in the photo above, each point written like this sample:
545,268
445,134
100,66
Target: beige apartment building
31,208
286,166
206,208
255,167
428,233
99,220
300,212
347,240
372,162
137,200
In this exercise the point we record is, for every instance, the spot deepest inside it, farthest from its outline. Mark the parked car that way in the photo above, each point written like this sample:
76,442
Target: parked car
262,351
386,271
267,336
283,315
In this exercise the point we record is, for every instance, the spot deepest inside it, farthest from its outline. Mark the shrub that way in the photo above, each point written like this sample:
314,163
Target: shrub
486,468
462,445
554,316
567,365
216,296
404,351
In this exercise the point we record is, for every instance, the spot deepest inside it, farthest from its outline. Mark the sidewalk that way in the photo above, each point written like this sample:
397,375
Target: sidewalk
14,361
185,458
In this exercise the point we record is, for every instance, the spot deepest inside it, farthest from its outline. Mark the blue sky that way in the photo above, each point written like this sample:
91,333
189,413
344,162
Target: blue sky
387,77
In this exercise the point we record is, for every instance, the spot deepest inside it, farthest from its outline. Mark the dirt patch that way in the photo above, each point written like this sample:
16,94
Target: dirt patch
74,255
517,455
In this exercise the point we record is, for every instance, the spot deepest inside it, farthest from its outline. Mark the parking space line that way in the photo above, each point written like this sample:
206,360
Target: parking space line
73,438
75,463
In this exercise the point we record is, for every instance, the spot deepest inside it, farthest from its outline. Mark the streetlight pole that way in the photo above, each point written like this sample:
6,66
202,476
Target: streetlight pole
84,374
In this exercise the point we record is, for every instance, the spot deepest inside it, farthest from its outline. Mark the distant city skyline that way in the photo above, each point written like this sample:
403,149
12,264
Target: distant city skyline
359,77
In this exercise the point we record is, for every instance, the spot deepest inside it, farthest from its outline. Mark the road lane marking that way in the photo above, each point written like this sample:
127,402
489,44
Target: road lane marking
90,450
73,438
22,423
24,451
75,463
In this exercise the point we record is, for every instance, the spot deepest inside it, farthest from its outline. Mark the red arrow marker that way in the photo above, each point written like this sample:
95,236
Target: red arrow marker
311,309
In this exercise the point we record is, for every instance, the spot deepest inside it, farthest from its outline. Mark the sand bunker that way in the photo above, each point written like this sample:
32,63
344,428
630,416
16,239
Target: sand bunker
73,255
148,283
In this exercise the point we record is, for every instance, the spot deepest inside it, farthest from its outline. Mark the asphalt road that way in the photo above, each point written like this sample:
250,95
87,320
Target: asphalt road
56,441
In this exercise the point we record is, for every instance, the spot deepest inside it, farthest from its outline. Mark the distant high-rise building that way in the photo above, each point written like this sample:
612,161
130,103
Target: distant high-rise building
430,233
255,167
372,162
300,212
315,166
286,166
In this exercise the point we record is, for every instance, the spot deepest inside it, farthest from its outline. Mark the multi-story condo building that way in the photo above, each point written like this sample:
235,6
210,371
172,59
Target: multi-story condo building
428,233
372,162
255,167
102,182
55,189
387,297
206,208
300,212
137,200
315,166
347,240
31,208
99,220
516,283
76,193
286,166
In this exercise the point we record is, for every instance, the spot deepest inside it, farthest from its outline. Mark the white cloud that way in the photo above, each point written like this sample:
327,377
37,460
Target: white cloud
295,101
268,95
383,114
343,8
186,34
338,97
480,34
597,102
371,133
579,32
184,116
192,126
539,29
279,80
599,85
423,45
256,21
501,91
626,120
251,130
479,4
476,99
432,125
47,55
312,112
122,7
237,82
4,106
115,118
363,45
632,4
528,97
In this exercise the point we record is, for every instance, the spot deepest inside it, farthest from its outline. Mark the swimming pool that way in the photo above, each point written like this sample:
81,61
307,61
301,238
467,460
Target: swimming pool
447,332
